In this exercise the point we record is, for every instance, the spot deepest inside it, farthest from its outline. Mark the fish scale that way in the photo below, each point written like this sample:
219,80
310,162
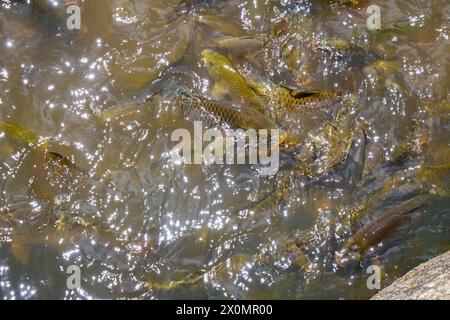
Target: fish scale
222,115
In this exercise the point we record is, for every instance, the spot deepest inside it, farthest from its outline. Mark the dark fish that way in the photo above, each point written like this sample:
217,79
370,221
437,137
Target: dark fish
378,230
401,28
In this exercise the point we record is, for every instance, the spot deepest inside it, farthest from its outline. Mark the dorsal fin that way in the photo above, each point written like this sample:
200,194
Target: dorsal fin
302,94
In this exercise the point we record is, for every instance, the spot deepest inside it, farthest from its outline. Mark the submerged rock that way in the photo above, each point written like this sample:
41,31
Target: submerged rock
428,281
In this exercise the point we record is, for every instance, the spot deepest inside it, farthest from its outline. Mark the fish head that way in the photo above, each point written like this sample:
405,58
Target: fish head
213,60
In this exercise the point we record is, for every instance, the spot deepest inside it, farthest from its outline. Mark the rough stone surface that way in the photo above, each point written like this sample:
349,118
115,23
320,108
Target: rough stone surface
428,281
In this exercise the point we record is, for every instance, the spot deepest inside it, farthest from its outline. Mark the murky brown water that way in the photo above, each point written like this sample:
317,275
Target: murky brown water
139,226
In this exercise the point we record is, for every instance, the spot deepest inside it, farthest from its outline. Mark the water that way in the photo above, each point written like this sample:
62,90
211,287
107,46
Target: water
144,227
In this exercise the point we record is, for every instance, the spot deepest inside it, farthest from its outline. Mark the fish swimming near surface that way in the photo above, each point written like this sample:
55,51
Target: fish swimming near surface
227,77
225,26
20,133
221,114
286,98
375,232
249,44
240,45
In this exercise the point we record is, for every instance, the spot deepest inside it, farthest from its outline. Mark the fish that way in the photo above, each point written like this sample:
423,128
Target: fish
285,98
401,28
225,26
136,65
220,273
249,44
374,159
54,174
326,147
50,170
353,167
116,113
332,45
191,279
221,114
375,232
21,134
226,76
349,3
24,135
280,28
63,166
344,49
240,45
427,179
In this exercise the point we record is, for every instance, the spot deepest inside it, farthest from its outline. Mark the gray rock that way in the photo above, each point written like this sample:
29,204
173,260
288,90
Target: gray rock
428,281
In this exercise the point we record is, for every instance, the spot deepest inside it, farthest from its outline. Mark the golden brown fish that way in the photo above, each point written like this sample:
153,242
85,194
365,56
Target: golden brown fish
226,76
285,98
220,114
